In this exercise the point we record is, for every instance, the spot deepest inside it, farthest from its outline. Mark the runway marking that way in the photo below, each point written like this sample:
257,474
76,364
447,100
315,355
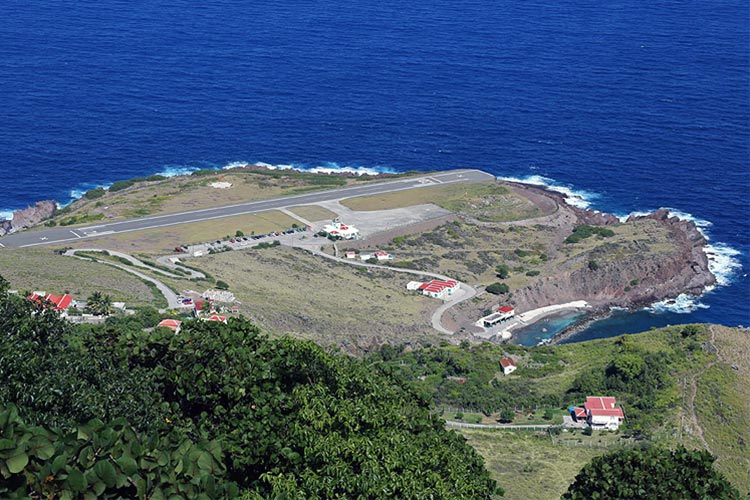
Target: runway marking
77,235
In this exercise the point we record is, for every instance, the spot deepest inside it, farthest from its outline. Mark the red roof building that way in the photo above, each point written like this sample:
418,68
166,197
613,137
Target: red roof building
508,366
216,317
439,289
505,309
603,412
59,302
172,324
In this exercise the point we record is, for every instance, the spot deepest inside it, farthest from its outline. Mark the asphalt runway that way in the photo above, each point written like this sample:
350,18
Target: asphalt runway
57,235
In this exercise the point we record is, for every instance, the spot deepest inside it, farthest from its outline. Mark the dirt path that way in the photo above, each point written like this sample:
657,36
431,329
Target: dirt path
689,410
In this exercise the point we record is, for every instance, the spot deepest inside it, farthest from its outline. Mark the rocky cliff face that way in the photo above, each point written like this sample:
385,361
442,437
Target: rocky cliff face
28,217
639,275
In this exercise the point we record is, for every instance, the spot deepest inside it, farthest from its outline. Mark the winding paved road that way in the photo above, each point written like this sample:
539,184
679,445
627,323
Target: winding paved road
172,302
57,235
468,291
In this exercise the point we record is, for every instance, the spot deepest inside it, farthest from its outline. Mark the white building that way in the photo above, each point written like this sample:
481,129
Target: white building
381,255
508,366
439,289
338,229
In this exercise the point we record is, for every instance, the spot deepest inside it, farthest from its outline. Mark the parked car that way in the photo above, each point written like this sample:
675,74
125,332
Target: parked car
178,249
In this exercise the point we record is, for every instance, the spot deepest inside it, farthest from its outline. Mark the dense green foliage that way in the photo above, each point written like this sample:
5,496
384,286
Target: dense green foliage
640,377
585,231
278,418
498,288
120,185
93,194
107,461
651,473
502,271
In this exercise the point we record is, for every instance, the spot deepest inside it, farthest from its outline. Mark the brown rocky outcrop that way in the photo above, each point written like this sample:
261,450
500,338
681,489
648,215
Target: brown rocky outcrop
641,278
29,216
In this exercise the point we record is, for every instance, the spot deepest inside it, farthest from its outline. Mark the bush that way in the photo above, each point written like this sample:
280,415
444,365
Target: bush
593,265
239,233
93,194
498,288
585,231
502,271
222,285
532,273
120,185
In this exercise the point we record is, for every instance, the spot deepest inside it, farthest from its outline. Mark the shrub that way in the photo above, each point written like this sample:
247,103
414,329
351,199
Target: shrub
120,185
93,194
222,285
498,288
502,271
593,265
585,231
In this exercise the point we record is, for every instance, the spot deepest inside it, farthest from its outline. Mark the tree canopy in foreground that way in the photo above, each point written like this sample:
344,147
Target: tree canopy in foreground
218,411
636,473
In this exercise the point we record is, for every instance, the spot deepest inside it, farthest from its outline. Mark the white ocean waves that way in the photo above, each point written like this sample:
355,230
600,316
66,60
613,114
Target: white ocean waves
175,170
723,262
682,304
331,168
575,197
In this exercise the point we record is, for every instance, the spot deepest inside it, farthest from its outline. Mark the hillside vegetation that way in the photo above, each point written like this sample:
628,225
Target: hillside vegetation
650,374
216,412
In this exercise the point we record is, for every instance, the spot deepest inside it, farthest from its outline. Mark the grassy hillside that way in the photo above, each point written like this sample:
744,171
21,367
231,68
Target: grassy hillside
31,269
676,385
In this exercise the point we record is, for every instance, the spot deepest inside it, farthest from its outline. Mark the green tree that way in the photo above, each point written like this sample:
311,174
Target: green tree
502,271
99,304
498,288
651,473
507,416
222,285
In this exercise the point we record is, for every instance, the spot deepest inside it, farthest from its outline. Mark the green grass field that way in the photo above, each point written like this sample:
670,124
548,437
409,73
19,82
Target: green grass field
290,291
313,213
42,269
484,200
163,240
527,465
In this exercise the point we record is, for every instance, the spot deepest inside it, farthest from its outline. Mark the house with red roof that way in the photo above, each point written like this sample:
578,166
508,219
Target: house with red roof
600,412
216,317
339,230
381,255
439,289
351,254
508,366
60,303
172,324
506,312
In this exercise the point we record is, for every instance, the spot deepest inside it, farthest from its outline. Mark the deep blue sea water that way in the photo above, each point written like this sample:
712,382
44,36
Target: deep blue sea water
634,105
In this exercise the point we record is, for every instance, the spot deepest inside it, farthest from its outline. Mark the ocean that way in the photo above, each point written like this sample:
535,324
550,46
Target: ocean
628,106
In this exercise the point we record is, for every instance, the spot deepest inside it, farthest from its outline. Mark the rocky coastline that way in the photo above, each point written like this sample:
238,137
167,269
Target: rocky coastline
633,282
28,217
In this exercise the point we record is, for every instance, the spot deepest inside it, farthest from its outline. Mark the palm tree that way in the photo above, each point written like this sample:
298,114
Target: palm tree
99,304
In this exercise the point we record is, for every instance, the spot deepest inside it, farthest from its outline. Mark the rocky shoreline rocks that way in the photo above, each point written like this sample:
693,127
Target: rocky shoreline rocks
28,217
633,281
